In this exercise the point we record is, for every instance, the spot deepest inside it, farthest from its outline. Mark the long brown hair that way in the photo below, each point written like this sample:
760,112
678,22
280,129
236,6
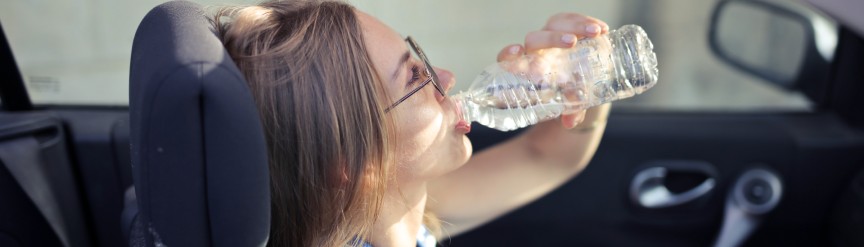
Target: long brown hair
320,101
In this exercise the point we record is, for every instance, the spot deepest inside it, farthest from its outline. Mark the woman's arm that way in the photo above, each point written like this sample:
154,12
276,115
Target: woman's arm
515,173
523,169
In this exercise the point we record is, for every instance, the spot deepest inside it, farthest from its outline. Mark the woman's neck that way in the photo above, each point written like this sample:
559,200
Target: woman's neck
401,216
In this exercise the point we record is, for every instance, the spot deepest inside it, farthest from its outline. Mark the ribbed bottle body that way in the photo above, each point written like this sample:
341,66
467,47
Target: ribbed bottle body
518,93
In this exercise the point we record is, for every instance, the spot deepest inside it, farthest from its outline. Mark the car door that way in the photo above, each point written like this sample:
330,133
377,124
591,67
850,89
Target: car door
672,175
64,167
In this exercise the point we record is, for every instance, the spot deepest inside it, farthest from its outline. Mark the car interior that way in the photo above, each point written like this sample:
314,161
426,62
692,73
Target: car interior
184,164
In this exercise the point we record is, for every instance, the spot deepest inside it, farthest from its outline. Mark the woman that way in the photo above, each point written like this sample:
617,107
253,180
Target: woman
364,146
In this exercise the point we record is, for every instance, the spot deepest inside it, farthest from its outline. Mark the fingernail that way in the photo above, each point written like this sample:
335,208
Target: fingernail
592,28
568,38
514,49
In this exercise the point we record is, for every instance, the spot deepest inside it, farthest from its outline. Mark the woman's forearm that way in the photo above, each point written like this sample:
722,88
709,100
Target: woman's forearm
568,148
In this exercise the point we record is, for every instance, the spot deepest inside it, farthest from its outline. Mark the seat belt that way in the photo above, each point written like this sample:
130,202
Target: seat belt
21,157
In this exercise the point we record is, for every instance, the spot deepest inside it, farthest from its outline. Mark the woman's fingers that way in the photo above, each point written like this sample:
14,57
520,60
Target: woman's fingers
543,39
510,52
580,25
561,31
571,120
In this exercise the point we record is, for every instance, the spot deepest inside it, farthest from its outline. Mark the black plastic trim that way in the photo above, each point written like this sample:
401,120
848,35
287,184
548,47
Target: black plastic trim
13,94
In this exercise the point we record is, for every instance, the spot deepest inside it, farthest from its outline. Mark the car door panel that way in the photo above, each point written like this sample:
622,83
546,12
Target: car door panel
101,149
40,200
813,153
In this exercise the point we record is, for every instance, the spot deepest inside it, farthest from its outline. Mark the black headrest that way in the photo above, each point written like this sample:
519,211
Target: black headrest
198,150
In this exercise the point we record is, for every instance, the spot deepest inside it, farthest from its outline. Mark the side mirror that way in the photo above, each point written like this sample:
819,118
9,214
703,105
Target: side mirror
782,42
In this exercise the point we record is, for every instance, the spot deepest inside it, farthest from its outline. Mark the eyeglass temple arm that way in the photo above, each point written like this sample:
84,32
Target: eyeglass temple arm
413,91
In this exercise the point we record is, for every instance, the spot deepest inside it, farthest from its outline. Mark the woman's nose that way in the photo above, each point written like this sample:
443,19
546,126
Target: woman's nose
447,80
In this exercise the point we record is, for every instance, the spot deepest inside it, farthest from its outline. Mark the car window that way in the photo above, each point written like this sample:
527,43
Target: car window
77,52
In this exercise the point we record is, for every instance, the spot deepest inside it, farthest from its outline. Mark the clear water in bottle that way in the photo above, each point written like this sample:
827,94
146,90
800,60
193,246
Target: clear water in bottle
514,94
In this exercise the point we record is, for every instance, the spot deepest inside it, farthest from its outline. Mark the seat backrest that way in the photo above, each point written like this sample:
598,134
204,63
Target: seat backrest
198,150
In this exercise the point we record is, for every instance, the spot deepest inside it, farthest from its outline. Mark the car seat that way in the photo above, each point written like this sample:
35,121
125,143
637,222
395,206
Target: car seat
199,159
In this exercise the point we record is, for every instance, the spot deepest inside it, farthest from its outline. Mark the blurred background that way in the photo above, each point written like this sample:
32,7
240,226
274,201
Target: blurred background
76,52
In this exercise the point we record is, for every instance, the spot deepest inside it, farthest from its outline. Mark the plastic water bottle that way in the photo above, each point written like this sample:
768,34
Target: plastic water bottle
518,93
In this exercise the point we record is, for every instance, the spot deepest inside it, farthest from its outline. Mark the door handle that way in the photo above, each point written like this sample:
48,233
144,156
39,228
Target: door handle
647,189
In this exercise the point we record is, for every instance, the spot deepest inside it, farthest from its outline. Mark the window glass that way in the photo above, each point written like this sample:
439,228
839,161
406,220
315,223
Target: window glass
75,52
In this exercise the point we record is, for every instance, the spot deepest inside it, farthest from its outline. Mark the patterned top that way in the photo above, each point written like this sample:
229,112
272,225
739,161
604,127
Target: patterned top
424,239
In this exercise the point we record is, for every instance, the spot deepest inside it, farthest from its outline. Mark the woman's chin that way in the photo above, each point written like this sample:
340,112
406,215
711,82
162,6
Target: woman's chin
468,149
461,152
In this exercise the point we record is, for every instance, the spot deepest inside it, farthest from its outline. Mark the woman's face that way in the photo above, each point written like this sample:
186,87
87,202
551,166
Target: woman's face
429,144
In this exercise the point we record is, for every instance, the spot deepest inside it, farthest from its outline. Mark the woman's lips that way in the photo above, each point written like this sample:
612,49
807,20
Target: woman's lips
463,126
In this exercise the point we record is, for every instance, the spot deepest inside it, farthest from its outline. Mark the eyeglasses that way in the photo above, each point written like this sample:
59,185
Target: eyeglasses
426,72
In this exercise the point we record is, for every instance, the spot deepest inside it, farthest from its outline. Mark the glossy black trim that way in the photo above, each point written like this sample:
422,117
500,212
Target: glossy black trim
13,94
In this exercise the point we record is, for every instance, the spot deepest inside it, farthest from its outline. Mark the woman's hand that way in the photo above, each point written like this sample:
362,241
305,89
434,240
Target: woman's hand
561,31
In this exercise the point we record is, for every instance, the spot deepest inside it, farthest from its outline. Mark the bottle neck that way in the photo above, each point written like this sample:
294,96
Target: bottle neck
464,106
